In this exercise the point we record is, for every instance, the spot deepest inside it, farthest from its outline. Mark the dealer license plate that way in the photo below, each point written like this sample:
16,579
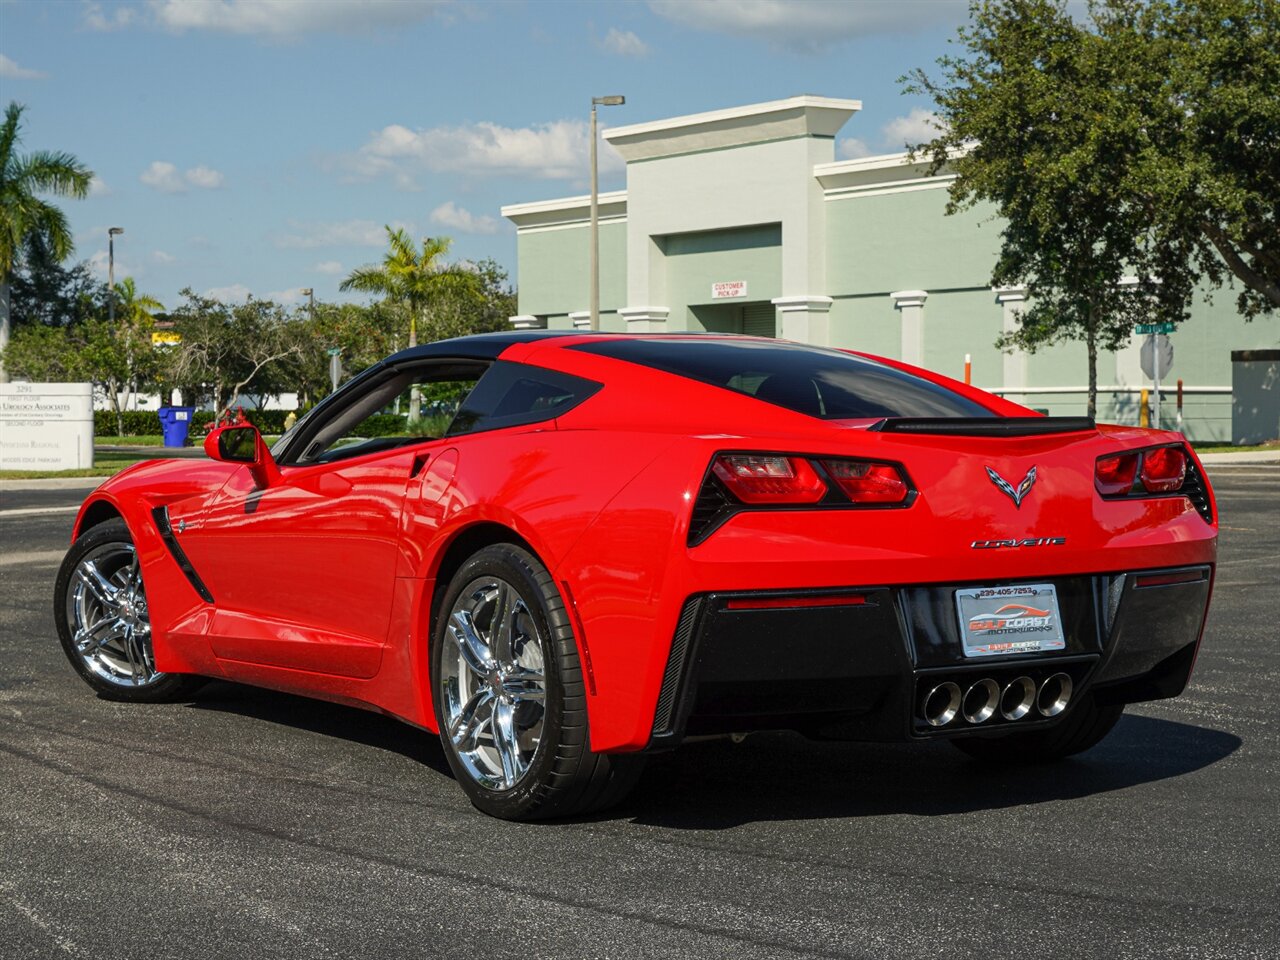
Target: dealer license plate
998,621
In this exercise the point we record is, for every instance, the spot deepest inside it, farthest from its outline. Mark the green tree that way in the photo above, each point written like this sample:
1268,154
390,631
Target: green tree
91,350
44,291
135,315
421,280
1207,169
229,350
1039,121
23,213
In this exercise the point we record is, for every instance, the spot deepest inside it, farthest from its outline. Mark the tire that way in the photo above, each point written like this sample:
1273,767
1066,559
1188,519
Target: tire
100,608
511,703
1083,728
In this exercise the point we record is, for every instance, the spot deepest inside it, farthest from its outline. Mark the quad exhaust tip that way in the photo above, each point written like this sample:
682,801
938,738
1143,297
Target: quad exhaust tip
1054,695
983,699
941,704
980,701
1017,699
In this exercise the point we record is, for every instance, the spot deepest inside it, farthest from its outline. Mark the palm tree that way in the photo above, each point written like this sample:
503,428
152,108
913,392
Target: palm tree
416,279
22,213
135,310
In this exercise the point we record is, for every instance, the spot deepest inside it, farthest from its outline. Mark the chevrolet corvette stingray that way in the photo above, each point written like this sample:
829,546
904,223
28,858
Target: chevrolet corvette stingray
563,552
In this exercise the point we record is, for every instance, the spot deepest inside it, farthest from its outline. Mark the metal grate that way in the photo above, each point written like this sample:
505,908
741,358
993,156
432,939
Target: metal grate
713,505
1196,491
665,711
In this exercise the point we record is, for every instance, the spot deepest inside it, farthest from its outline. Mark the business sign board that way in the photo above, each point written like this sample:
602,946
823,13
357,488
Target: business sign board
729,290
166,338
46,426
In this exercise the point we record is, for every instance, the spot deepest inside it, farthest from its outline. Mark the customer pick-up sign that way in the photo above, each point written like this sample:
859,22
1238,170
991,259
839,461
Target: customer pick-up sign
728,289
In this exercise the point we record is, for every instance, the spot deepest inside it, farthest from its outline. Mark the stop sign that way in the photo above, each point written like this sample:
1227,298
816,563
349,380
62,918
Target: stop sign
1157,356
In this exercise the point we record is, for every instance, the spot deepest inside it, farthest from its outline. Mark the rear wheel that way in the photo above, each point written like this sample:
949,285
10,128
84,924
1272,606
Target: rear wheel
100,608
509,695
1085,727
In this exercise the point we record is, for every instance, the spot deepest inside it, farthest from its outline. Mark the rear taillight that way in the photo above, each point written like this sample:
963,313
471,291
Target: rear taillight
742,482
1164,469
1142,472
768,478
1113,476
865,481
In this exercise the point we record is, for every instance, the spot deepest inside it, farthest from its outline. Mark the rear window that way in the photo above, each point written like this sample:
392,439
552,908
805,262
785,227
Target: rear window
512,393
820,383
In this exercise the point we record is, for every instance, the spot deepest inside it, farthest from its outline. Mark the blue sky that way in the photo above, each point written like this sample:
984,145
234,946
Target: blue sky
260,145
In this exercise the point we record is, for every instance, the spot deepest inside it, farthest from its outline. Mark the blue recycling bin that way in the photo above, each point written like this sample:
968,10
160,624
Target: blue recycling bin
174,423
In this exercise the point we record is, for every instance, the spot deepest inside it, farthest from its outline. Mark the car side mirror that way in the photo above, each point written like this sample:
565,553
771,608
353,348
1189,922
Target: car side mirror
241,443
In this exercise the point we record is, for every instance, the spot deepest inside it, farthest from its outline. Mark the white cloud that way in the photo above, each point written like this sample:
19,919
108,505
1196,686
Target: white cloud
450,215
120,16
100,263
809,25
851,148
288,297
345,233
164,176
204,177
332,268
98,187
11,70
624,43
236,293
285,18
161,256
557,151
918,126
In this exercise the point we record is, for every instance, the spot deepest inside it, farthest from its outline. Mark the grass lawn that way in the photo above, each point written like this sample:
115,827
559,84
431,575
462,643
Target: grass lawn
108,458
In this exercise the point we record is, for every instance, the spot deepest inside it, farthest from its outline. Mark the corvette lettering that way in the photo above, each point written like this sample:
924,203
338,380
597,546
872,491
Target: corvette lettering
1024,542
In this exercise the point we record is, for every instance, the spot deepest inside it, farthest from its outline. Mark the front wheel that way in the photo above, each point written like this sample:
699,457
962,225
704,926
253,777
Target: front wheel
100,608
1083,728
509,694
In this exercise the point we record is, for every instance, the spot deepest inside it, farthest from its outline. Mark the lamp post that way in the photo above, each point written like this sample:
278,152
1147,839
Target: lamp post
310,294
112,233
613,101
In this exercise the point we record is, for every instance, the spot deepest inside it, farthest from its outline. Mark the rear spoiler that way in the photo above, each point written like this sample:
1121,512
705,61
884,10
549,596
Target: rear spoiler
985,426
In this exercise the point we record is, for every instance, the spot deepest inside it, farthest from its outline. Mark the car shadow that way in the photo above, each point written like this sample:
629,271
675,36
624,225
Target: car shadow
327,719
718,785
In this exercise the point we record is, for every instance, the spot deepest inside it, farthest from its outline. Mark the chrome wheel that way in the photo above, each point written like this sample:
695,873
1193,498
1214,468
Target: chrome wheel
492,683
106,610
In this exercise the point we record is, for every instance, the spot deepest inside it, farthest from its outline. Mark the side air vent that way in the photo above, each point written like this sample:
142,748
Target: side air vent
161,517
664,714
712,508
1195,490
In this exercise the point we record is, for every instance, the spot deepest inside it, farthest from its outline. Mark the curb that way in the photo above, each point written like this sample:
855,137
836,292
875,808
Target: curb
1252,457
54,483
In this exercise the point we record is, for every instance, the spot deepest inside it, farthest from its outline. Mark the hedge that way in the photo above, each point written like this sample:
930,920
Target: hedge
147,422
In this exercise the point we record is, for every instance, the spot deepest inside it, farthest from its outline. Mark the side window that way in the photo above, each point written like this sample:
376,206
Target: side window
406,407
513,393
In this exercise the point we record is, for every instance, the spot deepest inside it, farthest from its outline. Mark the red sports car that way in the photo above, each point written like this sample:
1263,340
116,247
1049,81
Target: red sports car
566,551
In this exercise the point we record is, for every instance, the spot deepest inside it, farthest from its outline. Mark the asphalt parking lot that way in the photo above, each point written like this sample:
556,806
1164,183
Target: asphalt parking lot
252,824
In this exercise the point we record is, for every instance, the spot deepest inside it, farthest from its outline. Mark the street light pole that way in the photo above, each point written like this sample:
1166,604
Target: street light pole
112,233
594,268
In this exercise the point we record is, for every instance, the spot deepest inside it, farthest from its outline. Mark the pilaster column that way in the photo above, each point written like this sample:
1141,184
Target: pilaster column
645,319
910,303
805,319
527,321
1011,300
